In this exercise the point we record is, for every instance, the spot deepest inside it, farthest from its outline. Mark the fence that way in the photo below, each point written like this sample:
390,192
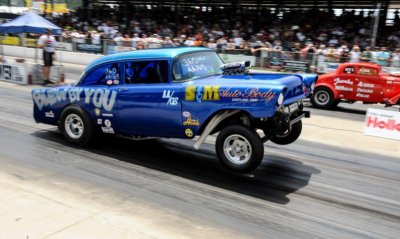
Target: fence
276,60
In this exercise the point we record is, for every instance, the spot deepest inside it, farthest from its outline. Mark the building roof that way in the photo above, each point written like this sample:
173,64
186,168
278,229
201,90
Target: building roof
293,4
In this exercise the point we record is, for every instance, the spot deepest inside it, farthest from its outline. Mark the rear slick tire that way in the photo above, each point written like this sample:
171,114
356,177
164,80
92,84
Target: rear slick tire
77,126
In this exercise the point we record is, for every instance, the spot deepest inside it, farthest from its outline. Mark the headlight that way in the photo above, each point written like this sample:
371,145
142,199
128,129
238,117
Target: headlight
313,86
280,99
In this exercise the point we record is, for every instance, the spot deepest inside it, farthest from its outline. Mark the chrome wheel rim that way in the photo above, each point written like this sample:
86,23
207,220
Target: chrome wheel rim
237,149
74,126
322,97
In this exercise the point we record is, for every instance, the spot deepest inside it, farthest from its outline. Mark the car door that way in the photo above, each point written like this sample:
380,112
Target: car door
370,85
99,89
345,82
148,104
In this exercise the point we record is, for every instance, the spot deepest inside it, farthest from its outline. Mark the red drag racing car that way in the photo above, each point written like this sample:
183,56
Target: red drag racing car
356,82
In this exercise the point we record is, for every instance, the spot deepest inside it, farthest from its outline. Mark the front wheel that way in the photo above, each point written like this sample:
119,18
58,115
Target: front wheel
239,148
290,135
77,126
323,98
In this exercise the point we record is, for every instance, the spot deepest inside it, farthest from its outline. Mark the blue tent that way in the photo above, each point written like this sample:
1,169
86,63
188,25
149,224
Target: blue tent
31,23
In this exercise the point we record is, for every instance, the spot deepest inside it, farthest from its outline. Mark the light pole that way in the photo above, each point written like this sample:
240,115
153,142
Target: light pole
376,25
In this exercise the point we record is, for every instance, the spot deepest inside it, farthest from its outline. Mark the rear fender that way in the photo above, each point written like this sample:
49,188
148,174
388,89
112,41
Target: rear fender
80,106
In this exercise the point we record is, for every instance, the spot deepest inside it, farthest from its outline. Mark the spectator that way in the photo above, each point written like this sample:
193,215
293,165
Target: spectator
237,40
211,44
127,41
321,52
190,41
355,54
366,55
47,42
395,60
296,51
261,51
221,43
135,40
167,42
308,52
333,41
244,45
342,53
95,38
119,39
230,45
383,57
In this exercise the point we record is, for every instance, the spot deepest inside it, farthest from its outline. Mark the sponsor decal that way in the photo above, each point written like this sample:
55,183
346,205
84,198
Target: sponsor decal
349,70
13,72
107,123
343,88
99,121
365,90
367,71
388,124
339,81
382,123
97,112
112,75
366,85
188,133
107,115
194,64
214,93
89,47
196,68
49,114
362,95
250,94
107,130
191,122
100,98
167,94
186,114
209,93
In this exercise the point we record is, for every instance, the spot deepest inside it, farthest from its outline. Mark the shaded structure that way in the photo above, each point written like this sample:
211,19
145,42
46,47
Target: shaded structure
128,7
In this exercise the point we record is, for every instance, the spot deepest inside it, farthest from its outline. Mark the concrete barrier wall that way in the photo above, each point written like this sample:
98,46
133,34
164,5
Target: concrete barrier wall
61,56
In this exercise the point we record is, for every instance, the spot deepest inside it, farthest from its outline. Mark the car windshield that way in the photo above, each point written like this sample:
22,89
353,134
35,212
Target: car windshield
197,65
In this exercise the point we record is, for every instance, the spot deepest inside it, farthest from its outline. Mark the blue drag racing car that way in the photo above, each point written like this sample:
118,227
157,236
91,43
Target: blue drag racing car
179,93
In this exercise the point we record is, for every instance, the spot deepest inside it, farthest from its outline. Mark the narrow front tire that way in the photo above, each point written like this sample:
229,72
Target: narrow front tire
290,135
239,148
323,98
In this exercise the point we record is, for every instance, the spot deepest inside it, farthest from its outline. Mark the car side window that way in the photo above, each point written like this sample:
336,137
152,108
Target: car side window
146,72
367,71
349,70
108,74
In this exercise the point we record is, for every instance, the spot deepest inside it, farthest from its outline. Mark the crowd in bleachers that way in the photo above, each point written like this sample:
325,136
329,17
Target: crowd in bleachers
346,36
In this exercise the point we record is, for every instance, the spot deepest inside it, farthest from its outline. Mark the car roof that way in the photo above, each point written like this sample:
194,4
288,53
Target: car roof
359,64
148,53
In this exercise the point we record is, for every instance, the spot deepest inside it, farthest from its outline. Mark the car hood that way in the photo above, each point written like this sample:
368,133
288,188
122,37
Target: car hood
293,85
